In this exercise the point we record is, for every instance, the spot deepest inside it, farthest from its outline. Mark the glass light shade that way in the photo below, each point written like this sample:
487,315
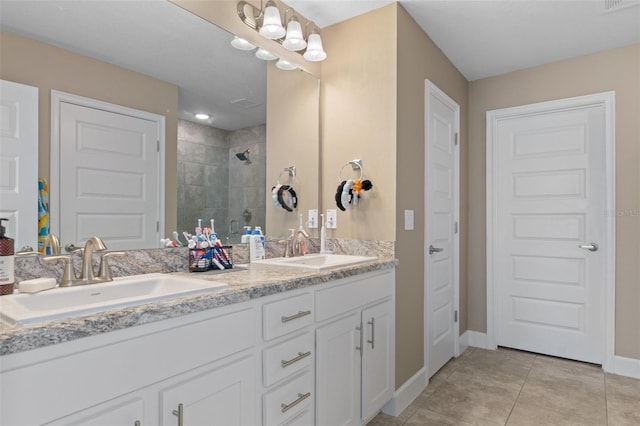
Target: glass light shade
294,40
286,65
315,52
265,55
241,44
272,25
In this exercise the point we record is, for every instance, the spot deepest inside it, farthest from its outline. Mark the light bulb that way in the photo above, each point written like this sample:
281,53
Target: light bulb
272,25
294,40
315,52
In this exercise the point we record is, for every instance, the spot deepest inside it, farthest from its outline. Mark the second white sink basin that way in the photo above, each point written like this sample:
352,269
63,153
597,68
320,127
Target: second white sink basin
65,302
318,262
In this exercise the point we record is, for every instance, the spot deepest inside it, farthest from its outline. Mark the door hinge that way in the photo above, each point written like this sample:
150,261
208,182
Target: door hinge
158,146
455,228
455,316
455,142
158,226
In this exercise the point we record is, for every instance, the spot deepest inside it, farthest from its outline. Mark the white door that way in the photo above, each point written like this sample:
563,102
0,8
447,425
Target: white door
110,182
441,248
19,162
550,204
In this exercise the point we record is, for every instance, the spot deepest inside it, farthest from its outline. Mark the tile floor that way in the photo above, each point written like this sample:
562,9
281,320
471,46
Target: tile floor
509,387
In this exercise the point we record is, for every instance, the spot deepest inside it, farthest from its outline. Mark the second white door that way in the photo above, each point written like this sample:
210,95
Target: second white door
441,248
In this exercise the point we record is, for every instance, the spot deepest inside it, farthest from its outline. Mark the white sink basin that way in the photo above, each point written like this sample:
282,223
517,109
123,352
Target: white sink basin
318,262
65,302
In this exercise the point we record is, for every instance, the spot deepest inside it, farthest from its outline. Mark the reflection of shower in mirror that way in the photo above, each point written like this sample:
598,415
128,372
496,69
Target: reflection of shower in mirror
244,156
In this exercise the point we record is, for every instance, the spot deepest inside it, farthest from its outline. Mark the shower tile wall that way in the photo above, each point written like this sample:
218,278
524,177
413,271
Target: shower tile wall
213,183
247,181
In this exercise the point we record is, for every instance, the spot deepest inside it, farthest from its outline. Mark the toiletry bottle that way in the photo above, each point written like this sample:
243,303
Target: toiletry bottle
258,231
6,262
245,237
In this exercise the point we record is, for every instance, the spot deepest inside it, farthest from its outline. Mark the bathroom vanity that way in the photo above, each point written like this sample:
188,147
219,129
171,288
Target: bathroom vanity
279,346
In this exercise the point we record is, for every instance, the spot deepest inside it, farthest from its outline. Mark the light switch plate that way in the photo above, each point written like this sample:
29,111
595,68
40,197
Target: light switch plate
313,219
408,220
332,218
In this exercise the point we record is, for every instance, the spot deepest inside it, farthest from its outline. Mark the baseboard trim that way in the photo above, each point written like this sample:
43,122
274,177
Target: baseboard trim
629,367
477,339
406,393
463,342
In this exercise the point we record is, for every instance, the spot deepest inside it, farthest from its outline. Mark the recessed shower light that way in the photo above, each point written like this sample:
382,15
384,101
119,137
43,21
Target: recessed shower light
202,116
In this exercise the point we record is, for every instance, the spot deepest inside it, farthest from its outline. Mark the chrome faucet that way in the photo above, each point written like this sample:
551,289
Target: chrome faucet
295,243
92,244
87,275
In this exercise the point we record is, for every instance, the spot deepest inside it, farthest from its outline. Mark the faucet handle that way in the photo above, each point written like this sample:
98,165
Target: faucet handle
67,273
104,273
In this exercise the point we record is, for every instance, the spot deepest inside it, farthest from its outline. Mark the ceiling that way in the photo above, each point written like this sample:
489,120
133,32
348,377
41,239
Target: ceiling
481,37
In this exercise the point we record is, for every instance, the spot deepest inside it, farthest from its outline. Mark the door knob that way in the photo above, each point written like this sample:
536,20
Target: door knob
433,249
590,247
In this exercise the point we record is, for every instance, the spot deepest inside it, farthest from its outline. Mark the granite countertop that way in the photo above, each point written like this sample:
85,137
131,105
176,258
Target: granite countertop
255,281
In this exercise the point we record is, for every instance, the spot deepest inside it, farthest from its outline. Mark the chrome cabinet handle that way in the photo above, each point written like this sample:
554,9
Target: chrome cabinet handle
433,249
372,323
360,329
180,414
300,314
590,247
137,423
301,397
301,355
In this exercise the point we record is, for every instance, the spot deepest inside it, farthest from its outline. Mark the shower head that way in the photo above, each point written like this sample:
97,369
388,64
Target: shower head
243,156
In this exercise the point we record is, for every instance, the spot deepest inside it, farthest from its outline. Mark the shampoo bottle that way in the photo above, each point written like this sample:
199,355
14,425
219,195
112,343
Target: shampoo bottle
6,262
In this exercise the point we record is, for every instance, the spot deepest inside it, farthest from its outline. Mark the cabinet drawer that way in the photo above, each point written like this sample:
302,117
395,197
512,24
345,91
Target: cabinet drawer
304,419
287,358
288,400
353,294
285,316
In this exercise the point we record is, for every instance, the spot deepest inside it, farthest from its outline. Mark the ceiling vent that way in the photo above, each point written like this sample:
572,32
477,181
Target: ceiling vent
244,103
615,5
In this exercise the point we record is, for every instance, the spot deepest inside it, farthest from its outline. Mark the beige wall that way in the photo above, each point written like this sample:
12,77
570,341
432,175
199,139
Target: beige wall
47,67
420,59
618,70
373,109
358,108
293,139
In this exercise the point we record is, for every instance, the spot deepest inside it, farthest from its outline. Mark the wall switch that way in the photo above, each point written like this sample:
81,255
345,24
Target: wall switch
313,219
408,220
332,218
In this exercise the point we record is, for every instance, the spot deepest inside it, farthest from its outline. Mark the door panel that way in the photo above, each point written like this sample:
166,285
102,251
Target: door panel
109,173
19,162
550,200
441,201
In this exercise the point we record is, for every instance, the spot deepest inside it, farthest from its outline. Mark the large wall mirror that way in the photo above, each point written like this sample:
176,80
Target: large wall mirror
262,119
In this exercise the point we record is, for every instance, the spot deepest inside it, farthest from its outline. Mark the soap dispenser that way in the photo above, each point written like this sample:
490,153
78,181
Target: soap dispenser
6,261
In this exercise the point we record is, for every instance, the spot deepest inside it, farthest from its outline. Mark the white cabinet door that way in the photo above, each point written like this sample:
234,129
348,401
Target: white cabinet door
127,412
378,358
338,363
224,396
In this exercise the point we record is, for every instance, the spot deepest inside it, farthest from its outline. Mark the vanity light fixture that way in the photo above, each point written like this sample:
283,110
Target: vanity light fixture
268,23
241,44
202,116
265,55
286,65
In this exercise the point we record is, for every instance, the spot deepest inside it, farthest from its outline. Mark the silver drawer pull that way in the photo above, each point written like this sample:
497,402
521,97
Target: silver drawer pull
137,423
301,397
372,323
179,413
301,355
300,314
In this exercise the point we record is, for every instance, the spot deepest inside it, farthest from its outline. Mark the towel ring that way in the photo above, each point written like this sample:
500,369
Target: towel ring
355,165
291,171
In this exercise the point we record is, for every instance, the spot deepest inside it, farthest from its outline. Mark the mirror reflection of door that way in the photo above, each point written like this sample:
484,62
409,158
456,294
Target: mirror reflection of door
109,168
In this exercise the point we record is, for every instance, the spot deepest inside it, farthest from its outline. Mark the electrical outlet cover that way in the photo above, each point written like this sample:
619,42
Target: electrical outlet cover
313,219
332,218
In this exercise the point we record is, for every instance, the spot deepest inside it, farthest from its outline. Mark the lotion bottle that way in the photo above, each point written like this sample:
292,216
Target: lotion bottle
6,262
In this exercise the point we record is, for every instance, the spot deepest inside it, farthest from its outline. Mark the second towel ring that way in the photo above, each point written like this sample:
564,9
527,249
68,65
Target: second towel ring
355,165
